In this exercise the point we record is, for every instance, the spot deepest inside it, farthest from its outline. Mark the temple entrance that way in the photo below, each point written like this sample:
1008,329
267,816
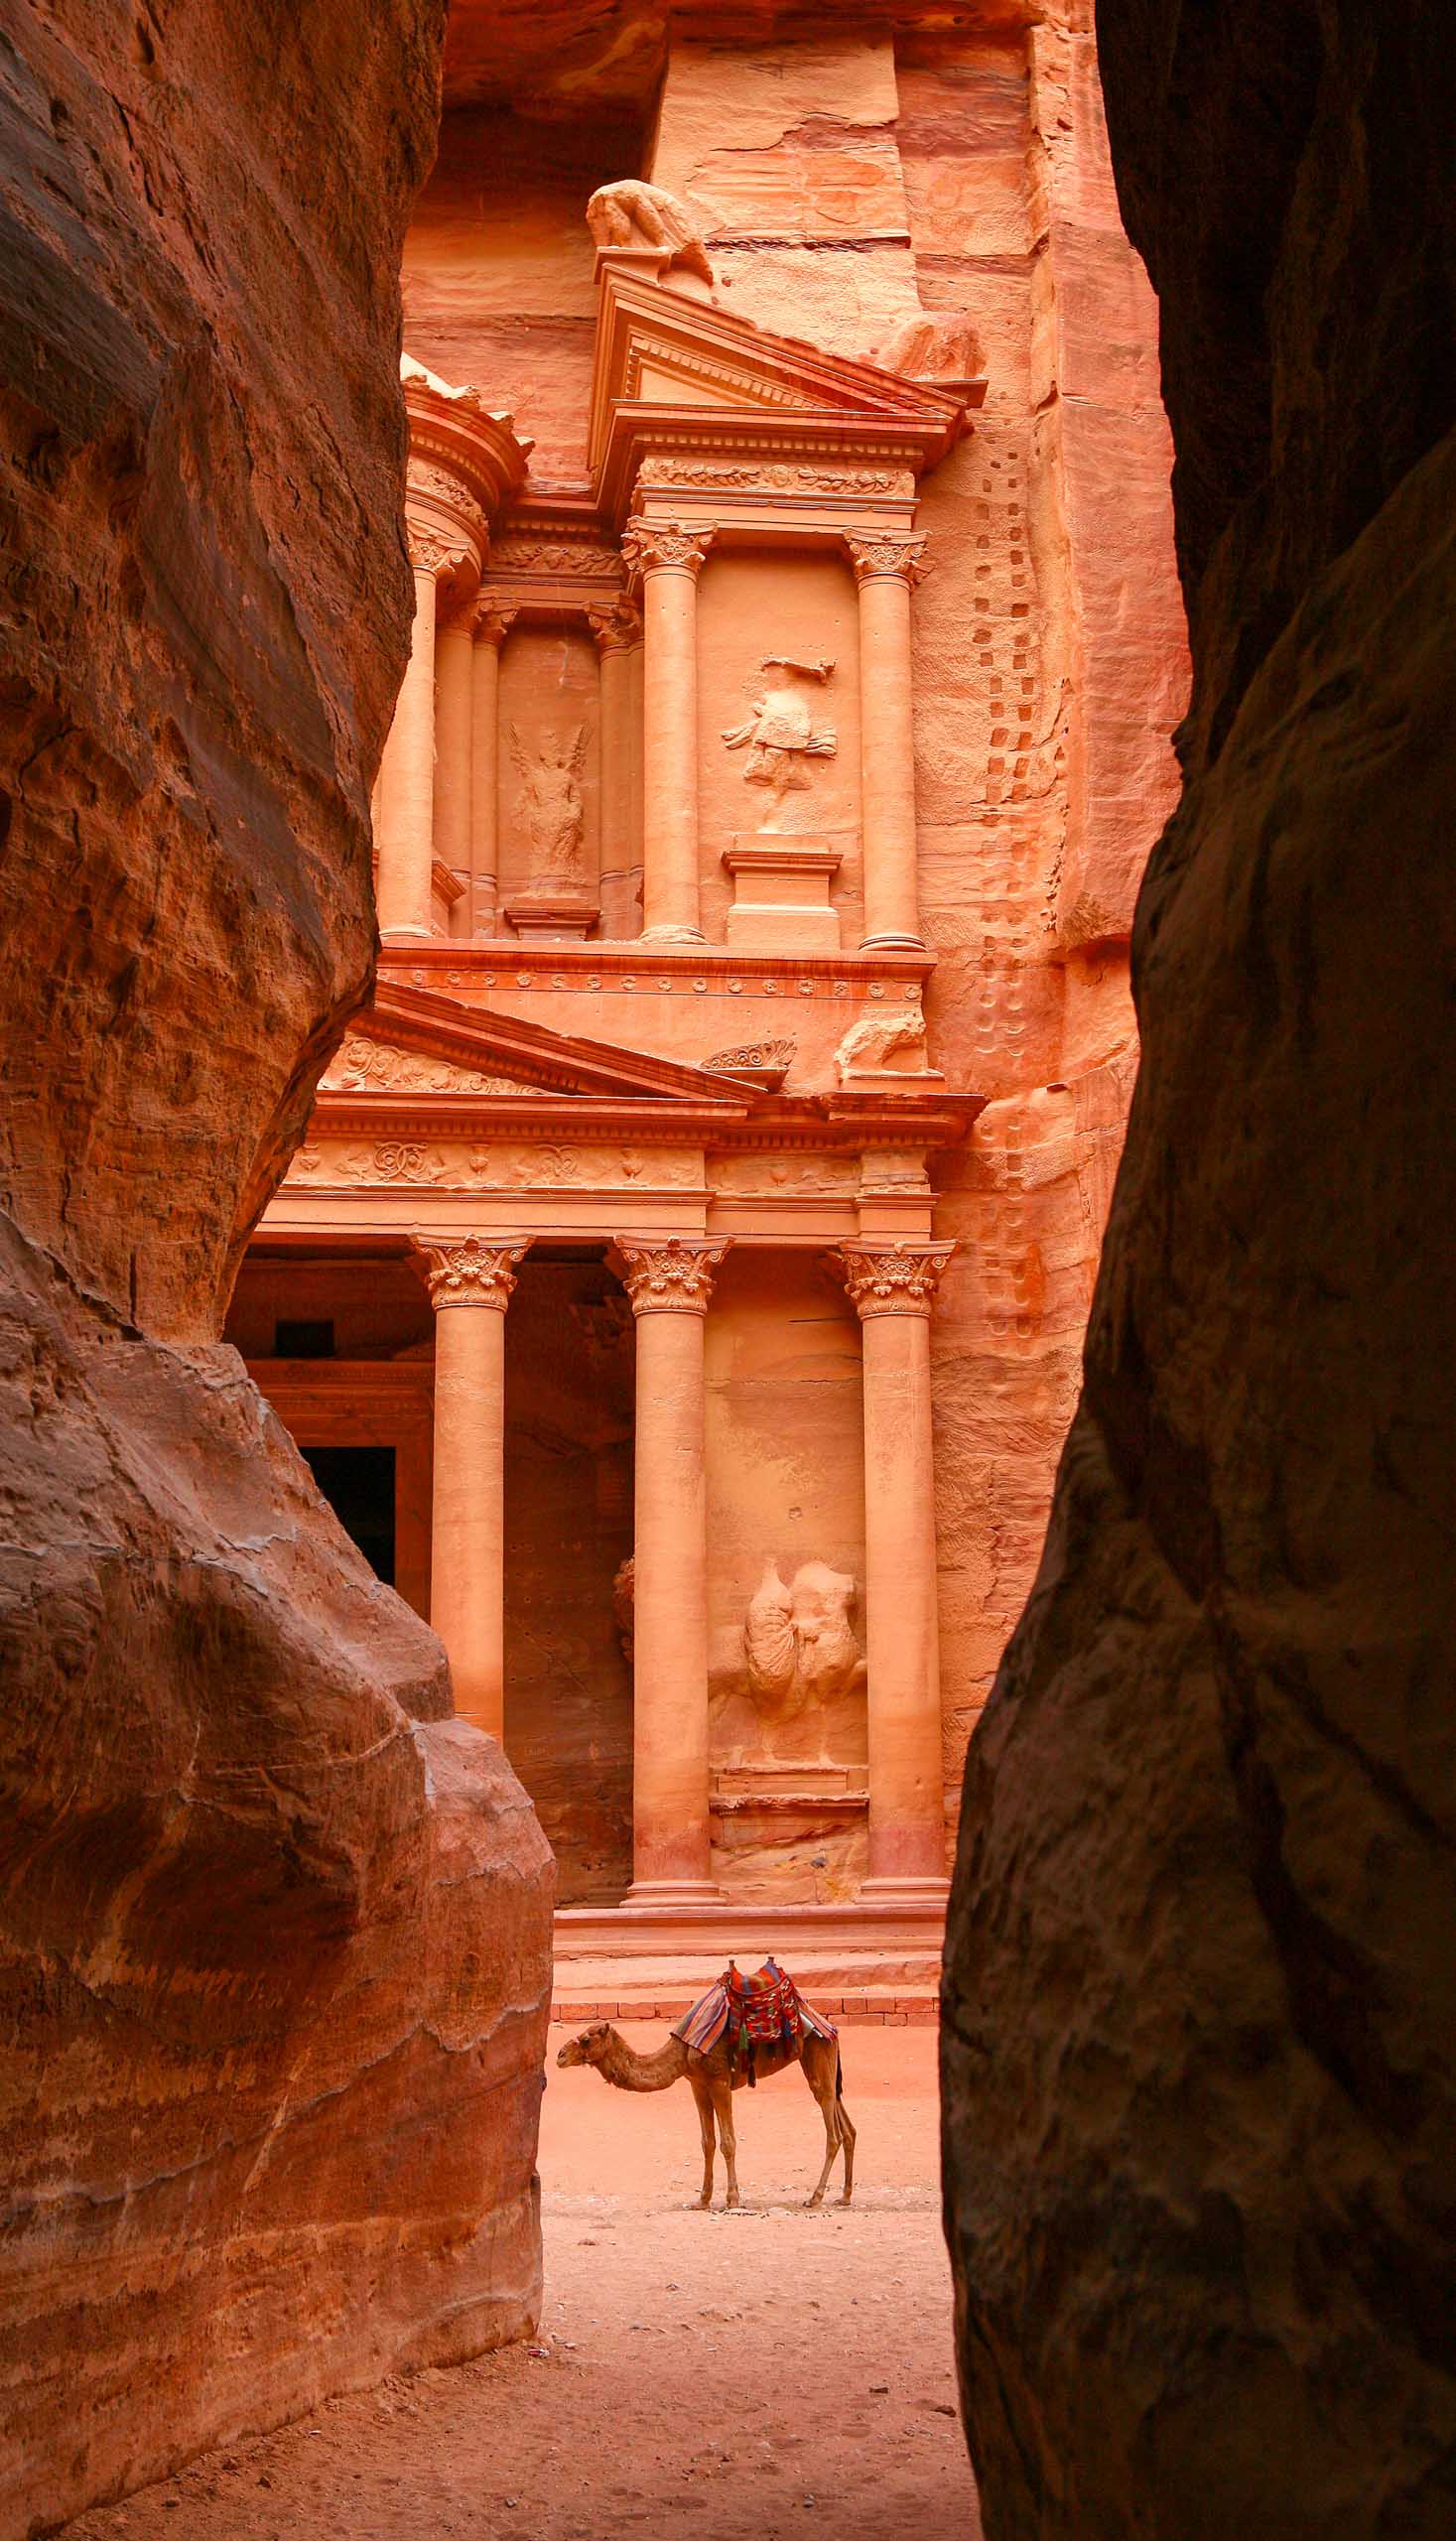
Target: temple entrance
569,1422
359,1484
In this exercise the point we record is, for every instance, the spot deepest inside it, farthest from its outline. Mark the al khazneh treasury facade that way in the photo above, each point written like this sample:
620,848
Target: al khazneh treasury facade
681,1290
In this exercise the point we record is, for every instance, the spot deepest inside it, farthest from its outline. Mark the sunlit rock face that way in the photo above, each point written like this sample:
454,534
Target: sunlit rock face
1200,2000
274,1940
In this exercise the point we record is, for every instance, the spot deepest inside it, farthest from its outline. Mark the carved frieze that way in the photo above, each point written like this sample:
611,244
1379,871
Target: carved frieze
775,476
472,1271
669,1272
893,1279
358,1064
771,1177
342,1164
581,562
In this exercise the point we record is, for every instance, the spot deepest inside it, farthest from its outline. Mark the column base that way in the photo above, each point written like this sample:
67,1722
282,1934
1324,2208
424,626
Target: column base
894,942
921,1894
667,1896
670,935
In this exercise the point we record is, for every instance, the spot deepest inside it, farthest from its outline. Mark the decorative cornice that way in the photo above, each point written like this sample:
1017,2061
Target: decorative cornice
659,547
667,1271
492,620
881,559
471,1271
891,1279
615,625
769,474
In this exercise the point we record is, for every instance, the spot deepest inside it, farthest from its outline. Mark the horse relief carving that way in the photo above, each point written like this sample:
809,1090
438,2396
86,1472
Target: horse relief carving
549,803
798,1640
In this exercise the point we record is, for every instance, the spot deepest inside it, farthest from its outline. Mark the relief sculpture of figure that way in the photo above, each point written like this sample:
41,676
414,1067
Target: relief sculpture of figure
779,735
798,1642
550,802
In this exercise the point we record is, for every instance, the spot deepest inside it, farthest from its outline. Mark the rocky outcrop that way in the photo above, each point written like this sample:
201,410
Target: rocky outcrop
274,1930
1200,2112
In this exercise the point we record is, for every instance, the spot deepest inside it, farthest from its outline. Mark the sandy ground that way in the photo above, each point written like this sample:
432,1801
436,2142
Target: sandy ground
762,2373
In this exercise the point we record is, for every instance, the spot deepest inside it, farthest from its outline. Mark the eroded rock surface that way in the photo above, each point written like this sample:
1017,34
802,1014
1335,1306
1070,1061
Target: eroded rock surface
1200,2000
273,1942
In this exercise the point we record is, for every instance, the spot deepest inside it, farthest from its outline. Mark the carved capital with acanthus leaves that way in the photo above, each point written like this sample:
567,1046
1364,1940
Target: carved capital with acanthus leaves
616,626
492,620
431,554
470,1270
665,547
891,1279
673,1272
885,558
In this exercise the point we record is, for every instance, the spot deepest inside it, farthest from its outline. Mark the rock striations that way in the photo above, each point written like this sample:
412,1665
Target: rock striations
274,1940
1200,1995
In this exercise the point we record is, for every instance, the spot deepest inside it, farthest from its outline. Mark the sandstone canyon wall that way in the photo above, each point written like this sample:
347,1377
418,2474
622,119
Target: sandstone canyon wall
275,1939
1200,1996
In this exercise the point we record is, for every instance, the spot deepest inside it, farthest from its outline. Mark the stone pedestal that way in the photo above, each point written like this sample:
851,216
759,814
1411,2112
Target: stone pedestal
893,1287
668,1280
781,886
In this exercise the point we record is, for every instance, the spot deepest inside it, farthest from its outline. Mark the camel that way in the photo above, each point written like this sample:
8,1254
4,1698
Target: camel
713,2082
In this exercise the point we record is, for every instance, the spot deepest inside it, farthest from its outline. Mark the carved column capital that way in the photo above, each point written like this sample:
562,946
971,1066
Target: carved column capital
615,625
470,1270
891,1279
672,1271
491,621
885,558
430,554
663,546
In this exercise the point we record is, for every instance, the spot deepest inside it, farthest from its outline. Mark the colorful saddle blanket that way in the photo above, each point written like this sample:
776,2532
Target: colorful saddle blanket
764,2016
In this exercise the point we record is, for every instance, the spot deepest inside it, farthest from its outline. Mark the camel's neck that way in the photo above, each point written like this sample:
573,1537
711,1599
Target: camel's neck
631,2071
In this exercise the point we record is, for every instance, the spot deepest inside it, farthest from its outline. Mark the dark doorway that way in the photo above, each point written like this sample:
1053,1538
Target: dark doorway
359,1484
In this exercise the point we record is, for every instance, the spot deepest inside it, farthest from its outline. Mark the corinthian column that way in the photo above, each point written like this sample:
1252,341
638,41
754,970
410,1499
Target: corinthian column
669,560
668,1280
407,784
893,1287
493,623
471,1281
885,570
618,631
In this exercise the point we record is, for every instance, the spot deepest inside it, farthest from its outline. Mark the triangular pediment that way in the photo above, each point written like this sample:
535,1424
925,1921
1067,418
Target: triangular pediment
656,347
416,1042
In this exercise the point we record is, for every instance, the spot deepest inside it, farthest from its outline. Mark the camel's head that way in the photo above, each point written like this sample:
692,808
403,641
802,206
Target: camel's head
588,2049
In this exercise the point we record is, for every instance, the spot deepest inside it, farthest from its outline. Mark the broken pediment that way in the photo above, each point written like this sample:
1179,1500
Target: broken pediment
415,1041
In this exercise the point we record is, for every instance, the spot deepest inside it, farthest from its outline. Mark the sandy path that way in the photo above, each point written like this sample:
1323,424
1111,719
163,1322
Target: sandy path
750,2374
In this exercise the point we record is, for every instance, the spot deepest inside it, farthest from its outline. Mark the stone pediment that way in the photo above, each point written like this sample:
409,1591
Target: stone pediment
658,349
414,1041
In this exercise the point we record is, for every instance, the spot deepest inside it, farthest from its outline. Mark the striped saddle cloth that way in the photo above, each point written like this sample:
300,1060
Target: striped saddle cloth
764,2015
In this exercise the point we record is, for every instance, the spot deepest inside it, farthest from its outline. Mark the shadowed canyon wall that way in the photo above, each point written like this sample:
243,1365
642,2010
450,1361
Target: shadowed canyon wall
274,1944
1200,1997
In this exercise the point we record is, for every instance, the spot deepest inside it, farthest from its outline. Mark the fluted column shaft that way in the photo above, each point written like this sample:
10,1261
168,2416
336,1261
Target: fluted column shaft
493,623
668,1282
669,561
618,632
893,1290
407,789
885,570
470,1282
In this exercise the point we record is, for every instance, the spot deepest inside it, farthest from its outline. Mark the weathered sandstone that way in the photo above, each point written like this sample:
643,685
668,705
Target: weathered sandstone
1200,2114
273,1942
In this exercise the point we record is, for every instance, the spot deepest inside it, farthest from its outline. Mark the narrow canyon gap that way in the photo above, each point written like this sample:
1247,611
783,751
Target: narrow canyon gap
1200,1994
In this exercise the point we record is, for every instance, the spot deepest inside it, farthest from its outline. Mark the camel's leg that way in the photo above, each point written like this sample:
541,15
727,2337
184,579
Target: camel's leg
846,2138
722,2102
704,2101
822,2085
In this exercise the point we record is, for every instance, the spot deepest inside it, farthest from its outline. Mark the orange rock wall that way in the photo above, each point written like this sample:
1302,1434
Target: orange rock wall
1199,2002
846,183
274,1940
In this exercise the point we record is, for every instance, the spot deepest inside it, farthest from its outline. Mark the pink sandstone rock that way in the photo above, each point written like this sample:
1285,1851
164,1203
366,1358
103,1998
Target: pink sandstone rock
274,1950
1200,1998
